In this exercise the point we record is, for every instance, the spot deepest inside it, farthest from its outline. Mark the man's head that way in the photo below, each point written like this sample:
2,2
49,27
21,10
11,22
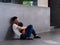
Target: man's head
14,20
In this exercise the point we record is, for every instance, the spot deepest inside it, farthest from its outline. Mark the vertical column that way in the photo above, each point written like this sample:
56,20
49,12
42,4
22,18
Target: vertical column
17,1
3,0
0,0
43,3
35,2
12,1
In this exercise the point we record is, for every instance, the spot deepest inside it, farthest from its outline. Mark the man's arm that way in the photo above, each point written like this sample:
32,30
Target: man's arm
22,28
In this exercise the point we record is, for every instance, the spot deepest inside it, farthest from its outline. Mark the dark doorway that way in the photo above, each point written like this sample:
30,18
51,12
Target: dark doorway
55,12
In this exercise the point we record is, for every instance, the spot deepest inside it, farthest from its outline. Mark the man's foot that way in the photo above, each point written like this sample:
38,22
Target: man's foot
27,39
37,36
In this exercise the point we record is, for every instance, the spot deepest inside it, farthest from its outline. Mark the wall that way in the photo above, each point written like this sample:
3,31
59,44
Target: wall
39,17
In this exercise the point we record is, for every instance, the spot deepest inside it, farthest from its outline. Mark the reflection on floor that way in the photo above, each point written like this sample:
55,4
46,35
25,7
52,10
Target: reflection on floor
49,38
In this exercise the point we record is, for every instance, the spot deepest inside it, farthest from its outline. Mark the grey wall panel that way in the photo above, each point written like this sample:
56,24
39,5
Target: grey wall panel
39,17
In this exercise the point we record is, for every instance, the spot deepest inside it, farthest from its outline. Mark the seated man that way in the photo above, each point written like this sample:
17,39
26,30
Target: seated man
21,31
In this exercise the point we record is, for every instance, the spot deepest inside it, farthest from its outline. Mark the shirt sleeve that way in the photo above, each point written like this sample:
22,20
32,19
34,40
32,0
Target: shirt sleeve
16,31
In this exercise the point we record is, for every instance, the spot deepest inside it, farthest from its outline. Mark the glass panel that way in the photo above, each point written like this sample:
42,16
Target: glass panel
24,2
28,3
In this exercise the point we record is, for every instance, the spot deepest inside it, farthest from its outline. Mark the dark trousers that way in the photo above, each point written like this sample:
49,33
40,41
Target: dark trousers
29,31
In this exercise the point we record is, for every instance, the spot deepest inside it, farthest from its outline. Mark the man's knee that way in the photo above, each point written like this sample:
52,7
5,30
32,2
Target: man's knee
30,26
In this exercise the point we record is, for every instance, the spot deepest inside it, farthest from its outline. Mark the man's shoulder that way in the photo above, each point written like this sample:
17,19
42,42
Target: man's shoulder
15,25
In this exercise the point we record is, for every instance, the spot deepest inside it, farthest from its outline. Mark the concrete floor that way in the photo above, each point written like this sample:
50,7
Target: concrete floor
49,38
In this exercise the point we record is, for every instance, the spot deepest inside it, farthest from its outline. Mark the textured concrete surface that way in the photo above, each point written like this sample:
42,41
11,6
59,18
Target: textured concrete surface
39,17
49,38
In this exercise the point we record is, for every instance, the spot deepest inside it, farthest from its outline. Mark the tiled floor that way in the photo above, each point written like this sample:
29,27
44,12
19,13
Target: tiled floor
50,38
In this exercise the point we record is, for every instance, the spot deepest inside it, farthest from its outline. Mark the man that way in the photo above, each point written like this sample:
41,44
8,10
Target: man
22,32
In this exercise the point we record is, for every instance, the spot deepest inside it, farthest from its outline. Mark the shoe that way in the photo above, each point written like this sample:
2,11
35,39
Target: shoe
22,39
37,37
26,39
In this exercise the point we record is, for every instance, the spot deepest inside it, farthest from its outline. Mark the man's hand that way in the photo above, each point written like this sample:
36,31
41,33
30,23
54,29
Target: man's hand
23,32
23,28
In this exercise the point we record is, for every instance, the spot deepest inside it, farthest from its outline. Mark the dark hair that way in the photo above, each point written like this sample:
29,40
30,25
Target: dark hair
13,19
20,24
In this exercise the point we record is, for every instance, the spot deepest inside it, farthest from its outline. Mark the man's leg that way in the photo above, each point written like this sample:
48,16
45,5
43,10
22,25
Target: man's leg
34,33
28,32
